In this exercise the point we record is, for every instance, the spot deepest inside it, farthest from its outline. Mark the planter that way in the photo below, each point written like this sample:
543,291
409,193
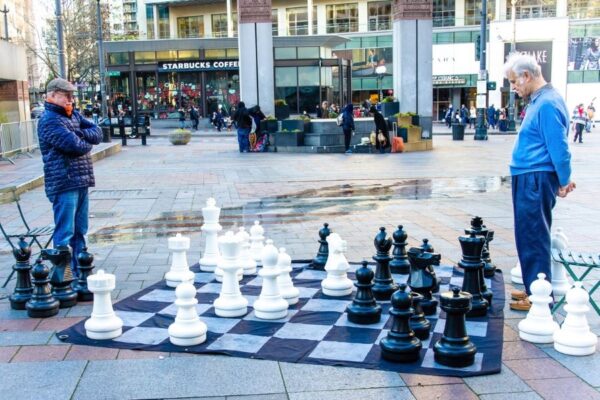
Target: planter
403,133
282,112
271,125
292,124
404,120
415,120
288,138
180,137
389,109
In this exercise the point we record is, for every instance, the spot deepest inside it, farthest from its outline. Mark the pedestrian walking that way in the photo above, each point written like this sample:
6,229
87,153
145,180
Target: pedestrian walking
464,115
382,141
491,116
244,124
448,116
195,117
579,120
348,125
181,118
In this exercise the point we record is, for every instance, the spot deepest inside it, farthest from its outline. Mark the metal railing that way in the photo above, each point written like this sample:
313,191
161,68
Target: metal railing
18,138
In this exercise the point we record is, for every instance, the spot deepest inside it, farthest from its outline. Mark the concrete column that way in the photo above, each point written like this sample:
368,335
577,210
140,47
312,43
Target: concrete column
155,21
230,19
456,99
321,19
459,13
282,22
255,43
501,9
309,9
363,17
561,8
412,48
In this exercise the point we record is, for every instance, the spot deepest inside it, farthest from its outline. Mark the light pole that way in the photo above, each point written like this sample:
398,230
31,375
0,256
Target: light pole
5,12
59,39
101,61
513,47
380,71
481,129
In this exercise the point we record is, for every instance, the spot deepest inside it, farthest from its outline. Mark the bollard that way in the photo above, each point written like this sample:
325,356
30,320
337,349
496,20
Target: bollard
122,132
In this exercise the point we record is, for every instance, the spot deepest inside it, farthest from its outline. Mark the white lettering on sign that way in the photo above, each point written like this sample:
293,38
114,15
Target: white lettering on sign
541,56
200,65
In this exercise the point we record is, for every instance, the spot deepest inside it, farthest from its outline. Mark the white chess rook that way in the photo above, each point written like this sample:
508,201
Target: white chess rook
270,304
257,235
230,303
247,261
104,323
180,270
187,330
560,282
538,326
337,283
516,275
211,228
284,280
574,336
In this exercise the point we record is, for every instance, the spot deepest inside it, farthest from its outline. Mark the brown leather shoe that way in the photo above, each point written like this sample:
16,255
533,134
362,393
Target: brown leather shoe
518,295
521,305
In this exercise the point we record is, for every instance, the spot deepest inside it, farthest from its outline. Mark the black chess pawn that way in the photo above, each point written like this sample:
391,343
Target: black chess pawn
41,304
401,344
477,227
473,266
399,263
364,309
455,349
384,283
321,259
61,275
23,287
418,323
428,248
85,261
421,280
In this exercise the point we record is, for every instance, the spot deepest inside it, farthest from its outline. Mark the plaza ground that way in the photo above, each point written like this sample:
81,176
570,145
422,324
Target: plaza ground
146,194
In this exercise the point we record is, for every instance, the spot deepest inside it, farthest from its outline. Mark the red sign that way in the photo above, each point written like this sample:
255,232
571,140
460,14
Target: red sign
253,11
412,9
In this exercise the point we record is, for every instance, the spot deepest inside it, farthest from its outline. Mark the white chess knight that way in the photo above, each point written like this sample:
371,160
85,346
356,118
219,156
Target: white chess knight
560,282
286,286
104,323
270,304
337,282
257,235
211,228
538,326
187,330
516,275
246,260
574,336
180,270
230,302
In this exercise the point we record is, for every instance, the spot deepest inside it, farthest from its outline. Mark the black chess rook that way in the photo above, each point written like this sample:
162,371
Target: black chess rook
84,261
42,304
399,263
364,309
61,275
384,283
421,280
321,259
473,266
23,287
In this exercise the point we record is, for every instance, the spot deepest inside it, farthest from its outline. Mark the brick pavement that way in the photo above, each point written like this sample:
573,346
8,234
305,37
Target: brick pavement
146,194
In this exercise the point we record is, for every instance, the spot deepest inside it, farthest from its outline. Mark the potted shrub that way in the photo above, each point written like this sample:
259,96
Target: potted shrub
271,124
292,124
282,110
403,119
389,106
287,137
180,136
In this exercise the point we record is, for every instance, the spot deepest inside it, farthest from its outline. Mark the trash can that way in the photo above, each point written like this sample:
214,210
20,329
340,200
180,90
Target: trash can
458,131
106,131
503,125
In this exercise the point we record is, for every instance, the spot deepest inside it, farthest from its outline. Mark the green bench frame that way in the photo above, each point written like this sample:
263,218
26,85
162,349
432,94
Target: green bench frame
587,261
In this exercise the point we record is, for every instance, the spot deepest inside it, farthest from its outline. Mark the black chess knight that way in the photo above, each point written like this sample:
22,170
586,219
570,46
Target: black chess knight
399,263
473,266
421,278
23,287
384,283
480,229
85,261
401,344
428,248
61,275
364,309
321,259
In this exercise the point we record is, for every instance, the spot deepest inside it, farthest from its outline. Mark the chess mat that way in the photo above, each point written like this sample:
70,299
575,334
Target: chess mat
315,331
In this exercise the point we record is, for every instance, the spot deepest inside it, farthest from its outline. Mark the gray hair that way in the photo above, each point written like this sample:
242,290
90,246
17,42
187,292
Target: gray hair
521,62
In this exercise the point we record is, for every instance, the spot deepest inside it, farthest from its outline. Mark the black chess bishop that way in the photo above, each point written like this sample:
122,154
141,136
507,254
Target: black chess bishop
401,344
23,287
321,259
421,280
384,283
480,229
455,348
364,309
61,275
399,263
84,261
473,273
41,304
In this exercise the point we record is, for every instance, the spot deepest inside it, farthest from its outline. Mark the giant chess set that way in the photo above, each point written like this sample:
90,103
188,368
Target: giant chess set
405,311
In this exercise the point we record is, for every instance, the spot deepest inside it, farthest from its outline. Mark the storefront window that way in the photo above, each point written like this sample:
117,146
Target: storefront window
167,94
219,24
150,22
286,85
167,55
342,18
285,53
146,90
190,87
118,58
190,27
473,11
119,90
443,12
222,87
215,53
380,15
145,57
532,9
275,22
164,30
188,55
297,18
580,9
308,52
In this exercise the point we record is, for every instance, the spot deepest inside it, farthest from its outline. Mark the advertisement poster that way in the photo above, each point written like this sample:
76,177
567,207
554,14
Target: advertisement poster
584,54
542,51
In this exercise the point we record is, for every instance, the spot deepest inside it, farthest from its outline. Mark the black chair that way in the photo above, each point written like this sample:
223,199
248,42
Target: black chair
10,195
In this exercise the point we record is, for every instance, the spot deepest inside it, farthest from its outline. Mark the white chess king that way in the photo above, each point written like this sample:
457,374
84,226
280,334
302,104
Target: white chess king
210,228
336,283
538,326
574,336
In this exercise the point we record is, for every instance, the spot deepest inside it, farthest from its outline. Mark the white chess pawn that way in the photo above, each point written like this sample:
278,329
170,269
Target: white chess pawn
247,261
538,326
560,282
574,336
516,275
211,228
187,330
230,302
337,283
180,270
104,323
286,286
270,304
257,235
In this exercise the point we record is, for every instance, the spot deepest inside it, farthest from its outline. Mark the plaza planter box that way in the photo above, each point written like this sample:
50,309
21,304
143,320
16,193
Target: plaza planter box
180,137
404,120
282,112
389,109
270,125
287,138
293,124
415,120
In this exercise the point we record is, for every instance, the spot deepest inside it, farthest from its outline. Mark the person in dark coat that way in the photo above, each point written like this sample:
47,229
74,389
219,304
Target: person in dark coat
380,126
348,125
66,140
181,118
491,117
244,124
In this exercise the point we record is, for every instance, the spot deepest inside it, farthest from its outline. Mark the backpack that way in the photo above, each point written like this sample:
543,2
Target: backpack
340,119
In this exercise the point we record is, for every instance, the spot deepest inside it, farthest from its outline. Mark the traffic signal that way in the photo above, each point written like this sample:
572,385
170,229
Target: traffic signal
491,85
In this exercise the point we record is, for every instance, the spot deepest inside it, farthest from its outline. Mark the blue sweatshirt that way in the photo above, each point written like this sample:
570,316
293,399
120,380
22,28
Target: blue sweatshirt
541,144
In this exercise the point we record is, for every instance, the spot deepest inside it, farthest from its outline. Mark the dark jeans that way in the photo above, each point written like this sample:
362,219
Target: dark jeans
347,138
243,139
578,132
71,221
534,196
195,123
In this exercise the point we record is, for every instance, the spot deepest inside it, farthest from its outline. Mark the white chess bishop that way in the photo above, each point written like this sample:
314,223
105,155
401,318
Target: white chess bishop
180,270
211,228
270,304
246,260
337,283
516,275
284,280
574,336
538,326
560,282
257,235
104,323
230,302
187,330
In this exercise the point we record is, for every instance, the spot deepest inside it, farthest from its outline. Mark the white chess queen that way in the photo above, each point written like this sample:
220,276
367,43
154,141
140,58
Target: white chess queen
337,283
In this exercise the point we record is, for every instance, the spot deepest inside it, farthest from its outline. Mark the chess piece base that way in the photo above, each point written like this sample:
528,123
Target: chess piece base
19,300
383,292
456,355
228,308
429,306
291,300
489,270
85,295
421,329
478,308
402,269
585,349
48,310
104,335
175,278
404,352
187,333
66,300
363,315
103,327
337,292
188,341
265,309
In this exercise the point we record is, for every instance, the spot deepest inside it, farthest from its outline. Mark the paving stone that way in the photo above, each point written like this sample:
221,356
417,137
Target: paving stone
57,324
40,353
538,368
511,396
24,338
78,352
14,325
138,354
7,352
424,380
458,391
584,367
563,388
399,393
520,350
276,396
505,381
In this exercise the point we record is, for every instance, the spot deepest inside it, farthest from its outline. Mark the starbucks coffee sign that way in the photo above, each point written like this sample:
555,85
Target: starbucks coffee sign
440,80
193,65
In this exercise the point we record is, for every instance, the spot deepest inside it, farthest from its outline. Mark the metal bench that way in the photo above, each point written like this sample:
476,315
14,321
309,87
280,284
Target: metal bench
584,262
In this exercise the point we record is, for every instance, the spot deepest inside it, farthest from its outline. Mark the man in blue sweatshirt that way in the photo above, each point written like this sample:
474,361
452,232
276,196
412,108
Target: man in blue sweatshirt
540,169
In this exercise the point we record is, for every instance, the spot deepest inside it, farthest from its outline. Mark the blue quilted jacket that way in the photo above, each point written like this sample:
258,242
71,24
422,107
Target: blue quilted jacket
66,144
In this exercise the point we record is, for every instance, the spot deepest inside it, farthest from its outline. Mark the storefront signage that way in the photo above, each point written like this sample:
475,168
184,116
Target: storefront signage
412,9
113,73
206,65
541,51
448,80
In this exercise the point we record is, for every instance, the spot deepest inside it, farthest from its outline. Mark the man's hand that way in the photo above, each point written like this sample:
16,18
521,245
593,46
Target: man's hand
563,191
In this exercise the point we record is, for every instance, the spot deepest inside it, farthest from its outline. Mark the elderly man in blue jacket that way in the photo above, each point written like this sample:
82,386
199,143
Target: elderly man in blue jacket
66,140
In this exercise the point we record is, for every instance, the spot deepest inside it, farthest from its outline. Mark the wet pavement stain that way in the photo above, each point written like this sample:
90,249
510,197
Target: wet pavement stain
306,205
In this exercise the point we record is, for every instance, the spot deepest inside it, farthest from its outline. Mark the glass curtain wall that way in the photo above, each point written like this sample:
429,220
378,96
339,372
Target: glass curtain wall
190,27
342,18
150,22
580,9
473,11
219,24
297,19
222,87
146,91
380,15
164,30
275,22
444,13
532,9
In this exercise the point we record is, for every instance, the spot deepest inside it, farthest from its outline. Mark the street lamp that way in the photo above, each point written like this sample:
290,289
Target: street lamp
101,60
380,71
513,46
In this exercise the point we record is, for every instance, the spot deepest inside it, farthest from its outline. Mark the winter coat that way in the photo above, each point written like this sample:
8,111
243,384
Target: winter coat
65,144
348,118
242,117
380,125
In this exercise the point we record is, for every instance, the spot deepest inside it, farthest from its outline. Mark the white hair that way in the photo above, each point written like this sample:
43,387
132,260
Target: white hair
521,62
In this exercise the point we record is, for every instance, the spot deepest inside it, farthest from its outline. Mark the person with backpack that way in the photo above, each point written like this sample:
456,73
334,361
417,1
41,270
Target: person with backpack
244,124
347,124
194,116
